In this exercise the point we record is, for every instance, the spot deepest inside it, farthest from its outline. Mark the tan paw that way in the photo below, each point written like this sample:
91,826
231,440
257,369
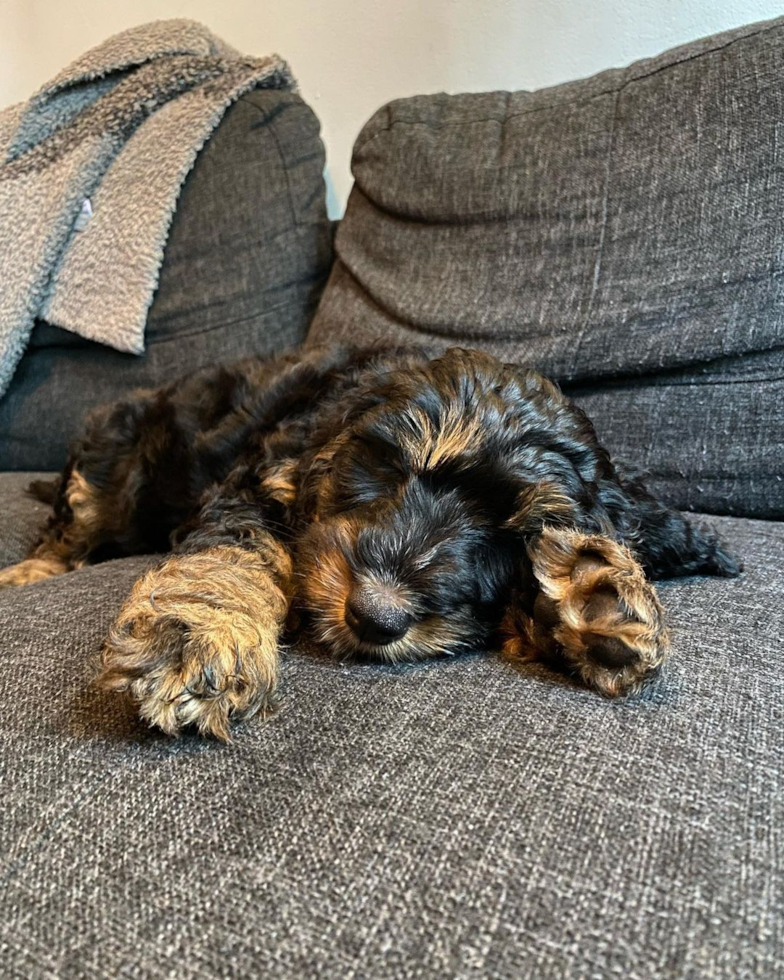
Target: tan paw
29,571
196,643
596,611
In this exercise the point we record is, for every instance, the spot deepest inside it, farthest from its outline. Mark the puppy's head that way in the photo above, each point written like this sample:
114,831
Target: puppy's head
413,540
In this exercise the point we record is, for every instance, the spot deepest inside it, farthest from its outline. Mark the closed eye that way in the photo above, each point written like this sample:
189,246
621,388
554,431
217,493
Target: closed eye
484,485
366,470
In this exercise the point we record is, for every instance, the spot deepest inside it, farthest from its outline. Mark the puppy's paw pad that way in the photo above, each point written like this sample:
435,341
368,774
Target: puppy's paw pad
610,625
609,651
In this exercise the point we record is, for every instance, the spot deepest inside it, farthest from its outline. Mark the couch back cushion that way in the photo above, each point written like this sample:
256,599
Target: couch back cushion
613,233
245,263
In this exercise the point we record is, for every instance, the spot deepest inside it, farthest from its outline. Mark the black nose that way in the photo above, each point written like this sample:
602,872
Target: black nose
375,617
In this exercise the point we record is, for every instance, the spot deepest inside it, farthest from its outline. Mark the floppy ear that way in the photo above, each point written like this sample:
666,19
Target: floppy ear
539,504
526,629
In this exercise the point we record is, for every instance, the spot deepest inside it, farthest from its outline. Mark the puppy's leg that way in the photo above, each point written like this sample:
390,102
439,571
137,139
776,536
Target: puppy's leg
69,536
595,611
196,643
95,503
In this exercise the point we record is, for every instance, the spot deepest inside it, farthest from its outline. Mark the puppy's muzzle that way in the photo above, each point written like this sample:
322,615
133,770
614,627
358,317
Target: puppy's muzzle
375,616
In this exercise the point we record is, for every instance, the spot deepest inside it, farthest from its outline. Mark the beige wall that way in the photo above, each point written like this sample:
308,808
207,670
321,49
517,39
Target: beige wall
350,56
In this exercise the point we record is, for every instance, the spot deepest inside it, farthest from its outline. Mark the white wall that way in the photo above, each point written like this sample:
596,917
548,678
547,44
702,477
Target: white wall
351,56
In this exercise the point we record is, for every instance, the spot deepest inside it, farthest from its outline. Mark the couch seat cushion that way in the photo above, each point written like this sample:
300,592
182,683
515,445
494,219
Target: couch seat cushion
464,818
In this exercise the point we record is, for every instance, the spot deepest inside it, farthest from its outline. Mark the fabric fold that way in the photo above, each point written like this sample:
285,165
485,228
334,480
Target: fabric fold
90,172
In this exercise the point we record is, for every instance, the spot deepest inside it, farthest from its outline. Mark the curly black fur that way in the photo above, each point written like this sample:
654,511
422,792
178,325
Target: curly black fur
397,481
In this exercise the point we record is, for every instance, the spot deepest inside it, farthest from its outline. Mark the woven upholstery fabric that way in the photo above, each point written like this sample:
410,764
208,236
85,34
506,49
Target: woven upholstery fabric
21,515
246,260
707,438
463,819
616,227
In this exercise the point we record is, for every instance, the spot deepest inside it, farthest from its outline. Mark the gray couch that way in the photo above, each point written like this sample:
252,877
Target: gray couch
469,818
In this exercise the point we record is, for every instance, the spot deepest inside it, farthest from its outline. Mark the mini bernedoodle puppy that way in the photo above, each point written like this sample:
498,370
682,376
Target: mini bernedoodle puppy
401,507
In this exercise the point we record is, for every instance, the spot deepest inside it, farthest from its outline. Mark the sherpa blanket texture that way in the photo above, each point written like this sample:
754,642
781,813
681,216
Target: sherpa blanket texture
90,171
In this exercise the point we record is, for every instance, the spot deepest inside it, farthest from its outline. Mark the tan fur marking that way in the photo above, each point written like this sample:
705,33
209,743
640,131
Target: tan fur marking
429,445
428,638
541,502
197,640
84,500
325,589
454,436
279,483
31,570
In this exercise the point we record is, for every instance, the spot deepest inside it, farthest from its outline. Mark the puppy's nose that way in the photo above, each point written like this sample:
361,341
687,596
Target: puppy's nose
374,617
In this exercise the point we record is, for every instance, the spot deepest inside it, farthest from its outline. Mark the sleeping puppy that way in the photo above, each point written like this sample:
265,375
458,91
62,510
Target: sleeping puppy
394,505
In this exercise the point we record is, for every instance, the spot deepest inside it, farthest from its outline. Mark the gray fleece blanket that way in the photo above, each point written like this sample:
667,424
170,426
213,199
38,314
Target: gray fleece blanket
90,171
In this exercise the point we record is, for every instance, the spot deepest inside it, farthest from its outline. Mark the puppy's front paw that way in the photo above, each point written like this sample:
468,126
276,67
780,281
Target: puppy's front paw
196,643
596,612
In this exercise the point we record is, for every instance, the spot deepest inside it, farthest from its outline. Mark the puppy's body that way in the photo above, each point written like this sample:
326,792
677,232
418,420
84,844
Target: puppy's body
408,506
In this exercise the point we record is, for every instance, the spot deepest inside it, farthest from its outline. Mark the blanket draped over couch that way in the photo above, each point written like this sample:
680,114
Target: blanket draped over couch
83,216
